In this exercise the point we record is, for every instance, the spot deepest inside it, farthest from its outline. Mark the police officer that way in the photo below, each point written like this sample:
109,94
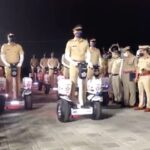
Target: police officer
128,70
115,78
43,63
34,63
76,52
95,57
12,53
109,59
143,78
66,64
53,64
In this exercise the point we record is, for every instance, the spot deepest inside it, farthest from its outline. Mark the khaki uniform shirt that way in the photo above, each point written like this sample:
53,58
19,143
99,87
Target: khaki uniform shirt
143,63
129,64
34,62
43,62
95,55
116,66
53,62
12,52
77,48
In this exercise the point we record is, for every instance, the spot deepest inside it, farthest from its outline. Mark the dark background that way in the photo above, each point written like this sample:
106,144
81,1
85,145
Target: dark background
46,25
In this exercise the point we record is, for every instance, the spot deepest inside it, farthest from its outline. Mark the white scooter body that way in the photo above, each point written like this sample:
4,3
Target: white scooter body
19,102
94,87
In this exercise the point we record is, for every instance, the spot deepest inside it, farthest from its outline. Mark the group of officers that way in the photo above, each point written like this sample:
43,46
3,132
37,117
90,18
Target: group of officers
128,73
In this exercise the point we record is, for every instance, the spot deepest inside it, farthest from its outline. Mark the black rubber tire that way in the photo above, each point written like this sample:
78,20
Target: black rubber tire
2,103
47,89
97,111
40,86
105,99
28,102
63,111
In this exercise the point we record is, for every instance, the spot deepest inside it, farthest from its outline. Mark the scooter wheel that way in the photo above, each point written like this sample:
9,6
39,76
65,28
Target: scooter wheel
40,86
47,89
2,103
105,99
28,102
63,111
97,110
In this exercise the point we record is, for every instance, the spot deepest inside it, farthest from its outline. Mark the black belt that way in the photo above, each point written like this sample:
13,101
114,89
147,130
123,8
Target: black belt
114,74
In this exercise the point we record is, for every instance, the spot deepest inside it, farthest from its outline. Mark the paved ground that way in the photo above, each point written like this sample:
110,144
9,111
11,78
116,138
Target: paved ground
39,129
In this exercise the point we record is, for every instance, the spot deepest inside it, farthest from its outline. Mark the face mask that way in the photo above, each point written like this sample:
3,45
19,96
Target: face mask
78,34
141,54
92,44
12,39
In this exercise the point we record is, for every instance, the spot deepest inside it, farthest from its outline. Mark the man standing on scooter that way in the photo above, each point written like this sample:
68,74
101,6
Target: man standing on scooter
95,57
43,63
12,53
34,64
75,53
53,65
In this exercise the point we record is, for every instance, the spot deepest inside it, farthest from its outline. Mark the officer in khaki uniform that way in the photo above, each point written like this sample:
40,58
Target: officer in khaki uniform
52,63
76,52
143,78
109,67
43,63
66,64
34,63
95,57
12,53
128,70
115,78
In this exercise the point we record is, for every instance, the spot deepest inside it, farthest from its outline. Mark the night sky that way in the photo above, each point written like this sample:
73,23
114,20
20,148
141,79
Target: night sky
46,25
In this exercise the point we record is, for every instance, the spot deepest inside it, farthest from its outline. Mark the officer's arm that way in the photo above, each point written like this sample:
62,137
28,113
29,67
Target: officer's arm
88,56
137,71
3,57
41,63
88,59
67,54
121,68
21,53
58,64
63,61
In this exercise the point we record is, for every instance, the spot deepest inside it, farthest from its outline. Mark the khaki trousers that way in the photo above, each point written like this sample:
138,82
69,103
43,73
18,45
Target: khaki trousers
90,73
9,80
66,72
117,88
144,86
74,71
129,90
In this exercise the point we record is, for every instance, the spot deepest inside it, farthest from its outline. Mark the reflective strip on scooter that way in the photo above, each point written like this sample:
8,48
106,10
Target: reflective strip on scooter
97,98
82,111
